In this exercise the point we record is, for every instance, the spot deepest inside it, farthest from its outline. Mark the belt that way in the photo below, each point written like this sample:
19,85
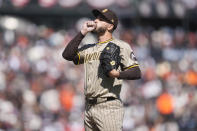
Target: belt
94,101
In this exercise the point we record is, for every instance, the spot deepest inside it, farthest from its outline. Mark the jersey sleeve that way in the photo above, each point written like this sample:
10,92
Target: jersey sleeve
128,59
79,58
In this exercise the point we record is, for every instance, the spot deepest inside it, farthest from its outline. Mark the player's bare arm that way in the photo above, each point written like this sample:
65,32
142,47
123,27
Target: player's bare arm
114,73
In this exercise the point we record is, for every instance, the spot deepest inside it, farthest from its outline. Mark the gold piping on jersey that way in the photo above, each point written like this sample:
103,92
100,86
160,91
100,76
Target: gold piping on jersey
105,41
131,66
79,58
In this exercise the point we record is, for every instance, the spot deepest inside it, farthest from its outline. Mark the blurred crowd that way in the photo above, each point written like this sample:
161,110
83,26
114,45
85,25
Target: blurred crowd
188,4
146,8
39,90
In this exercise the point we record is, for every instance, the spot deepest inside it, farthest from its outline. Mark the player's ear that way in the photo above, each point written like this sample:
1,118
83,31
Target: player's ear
110,27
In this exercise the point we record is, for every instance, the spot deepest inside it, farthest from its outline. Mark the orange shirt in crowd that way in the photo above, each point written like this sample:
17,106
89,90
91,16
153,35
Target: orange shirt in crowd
66,99
164,104
191,78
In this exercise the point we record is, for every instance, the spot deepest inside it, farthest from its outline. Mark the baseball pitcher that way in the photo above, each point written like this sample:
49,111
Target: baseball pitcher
106,64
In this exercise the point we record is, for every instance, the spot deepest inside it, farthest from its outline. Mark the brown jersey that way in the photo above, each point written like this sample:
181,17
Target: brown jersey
97,84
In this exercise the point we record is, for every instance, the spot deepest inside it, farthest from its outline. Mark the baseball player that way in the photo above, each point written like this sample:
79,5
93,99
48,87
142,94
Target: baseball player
106,64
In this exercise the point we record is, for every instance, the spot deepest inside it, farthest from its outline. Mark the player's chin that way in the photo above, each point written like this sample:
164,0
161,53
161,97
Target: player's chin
95,31
99,30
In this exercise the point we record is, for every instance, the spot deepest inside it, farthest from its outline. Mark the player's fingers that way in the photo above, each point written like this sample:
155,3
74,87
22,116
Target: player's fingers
90,23
91,28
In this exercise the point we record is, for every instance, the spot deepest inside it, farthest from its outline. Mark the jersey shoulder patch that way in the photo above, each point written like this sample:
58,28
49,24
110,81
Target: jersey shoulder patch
132,56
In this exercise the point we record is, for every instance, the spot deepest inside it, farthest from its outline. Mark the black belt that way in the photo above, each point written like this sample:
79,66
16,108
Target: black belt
95,100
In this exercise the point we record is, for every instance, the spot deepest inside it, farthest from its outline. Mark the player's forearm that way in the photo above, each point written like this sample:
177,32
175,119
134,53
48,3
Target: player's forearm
130,74
72,48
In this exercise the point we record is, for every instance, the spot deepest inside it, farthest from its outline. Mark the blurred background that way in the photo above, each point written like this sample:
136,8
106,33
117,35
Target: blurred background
39,90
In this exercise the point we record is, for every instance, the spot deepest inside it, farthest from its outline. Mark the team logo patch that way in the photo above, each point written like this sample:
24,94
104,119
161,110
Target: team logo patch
113,63
132,56
105,10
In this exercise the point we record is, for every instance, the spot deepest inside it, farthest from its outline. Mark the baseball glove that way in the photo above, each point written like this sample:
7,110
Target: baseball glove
110,57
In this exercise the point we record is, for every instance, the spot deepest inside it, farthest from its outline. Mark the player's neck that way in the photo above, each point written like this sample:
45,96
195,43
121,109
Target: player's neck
106,36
